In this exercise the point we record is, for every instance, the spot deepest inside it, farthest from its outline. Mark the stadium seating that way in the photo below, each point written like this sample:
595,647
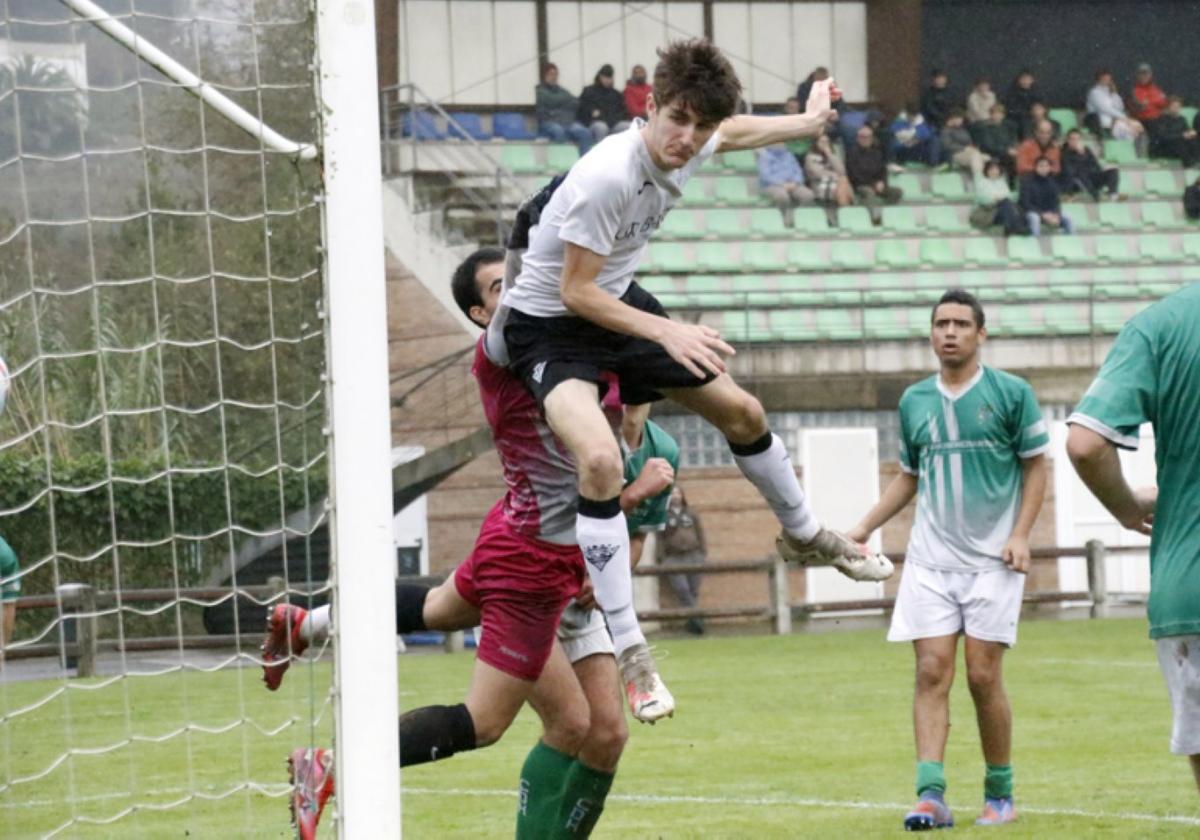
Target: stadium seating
465,126
560,157
855,221
421,125
509,125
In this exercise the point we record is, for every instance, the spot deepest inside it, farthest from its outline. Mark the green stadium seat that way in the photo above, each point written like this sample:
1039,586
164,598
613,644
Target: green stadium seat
894,253
1120,151
694,192
767,222
1160,215
1156,247
791,325
855,221
1065,117
805,256
1069,249
1191,245
937,252
1161,182
911,184
1160,289
855,255
519,158
900,219
1108,317
1113,249
656,284
842,289
1082,215
668,256
1188,112
811,220
716,256
561,156
734,191
945,220
683,224
1066,318
949,185
763,256
740,325
837,324
983,252
1116,217
1067,284
885,323
740,161
708,292
725,223
1026,250
1116,289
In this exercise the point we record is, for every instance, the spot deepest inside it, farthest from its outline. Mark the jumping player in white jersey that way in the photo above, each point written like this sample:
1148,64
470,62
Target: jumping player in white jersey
574,313
972,449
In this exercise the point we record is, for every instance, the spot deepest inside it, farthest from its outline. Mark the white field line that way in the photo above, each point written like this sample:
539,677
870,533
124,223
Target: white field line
1098,663
275,790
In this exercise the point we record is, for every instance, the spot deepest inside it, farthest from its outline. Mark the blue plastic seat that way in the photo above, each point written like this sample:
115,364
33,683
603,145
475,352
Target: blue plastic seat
465,126
510,125
421,126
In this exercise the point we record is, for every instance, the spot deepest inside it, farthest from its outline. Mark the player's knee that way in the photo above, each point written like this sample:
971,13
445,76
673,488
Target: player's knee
567,730
745,419
934,673
983,680
601,466
489,728
606,741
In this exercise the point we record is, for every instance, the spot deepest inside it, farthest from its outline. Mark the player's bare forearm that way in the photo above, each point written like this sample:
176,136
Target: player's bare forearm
895,496
749,132
581,295
1099,467
1033,493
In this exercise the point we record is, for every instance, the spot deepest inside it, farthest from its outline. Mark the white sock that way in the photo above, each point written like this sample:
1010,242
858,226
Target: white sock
315,627
771,472
605,545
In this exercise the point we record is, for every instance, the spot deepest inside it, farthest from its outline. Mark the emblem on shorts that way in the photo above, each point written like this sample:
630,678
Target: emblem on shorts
599,555
538,370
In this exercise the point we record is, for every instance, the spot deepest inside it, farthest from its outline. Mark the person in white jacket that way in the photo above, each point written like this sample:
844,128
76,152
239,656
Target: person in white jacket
1105,102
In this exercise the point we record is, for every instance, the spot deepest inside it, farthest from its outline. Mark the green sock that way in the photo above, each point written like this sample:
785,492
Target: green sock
931,775
997,784
541,791
584,792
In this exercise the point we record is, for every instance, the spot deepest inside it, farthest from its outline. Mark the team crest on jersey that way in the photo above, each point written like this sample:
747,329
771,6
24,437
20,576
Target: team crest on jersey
599,555
985,414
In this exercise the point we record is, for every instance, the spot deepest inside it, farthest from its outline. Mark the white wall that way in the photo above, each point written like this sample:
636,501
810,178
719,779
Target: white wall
485,51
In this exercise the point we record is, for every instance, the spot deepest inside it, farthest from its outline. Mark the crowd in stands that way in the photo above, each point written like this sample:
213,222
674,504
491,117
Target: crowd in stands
599,110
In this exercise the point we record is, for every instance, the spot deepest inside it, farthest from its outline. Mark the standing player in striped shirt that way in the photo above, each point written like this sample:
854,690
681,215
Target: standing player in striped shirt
972,449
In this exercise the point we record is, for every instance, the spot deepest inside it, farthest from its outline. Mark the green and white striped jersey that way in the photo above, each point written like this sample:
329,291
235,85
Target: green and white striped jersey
966,450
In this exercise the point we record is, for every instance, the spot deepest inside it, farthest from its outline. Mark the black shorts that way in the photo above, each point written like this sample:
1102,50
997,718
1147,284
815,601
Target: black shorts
546,351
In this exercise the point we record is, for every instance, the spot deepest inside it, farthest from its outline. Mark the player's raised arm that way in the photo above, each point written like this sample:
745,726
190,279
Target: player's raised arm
745,131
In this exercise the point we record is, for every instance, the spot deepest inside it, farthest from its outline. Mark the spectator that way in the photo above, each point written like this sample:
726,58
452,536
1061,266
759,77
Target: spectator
683,542
555,108
1148,101
1022,93
1041,202
913,140
957,145
635,93
782,180
1040,145
997,139
601,108
866,166
935,102
799,148
980,101
826,175
1106,108
1081,172
1191,201
1173,137
993,201
1037,113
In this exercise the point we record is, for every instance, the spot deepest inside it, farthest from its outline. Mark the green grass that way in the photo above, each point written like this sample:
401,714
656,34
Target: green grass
805,736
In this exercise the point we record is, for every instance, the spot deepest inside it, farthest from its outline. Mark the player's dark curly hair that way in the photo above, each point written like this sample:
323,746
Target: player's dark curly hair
696,74
462,284
961,296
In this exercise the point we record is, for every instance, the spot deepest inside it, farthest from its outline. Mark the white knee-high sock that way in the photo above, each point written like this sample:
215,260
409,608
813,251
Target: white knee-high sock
601,531
769,467
315,627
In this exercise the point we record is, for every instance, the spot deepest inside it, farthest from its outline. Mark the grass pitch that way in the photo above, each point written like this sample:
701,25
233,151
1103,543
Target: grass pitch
804,736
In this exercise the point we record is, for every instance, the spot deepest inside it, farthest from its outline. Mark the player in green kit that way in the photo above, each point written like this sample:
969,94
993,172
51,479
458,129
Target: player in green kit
972,450
10,591
647,444
1152,375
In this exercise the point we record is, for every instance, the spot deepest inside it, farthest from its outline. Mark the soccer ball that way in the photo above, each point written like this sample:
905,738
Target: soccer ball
3,384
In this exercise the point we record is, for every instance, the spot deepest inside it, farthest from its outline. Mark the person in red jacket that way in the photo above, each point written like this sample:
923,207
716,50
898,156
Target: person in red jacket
636,91
1149,101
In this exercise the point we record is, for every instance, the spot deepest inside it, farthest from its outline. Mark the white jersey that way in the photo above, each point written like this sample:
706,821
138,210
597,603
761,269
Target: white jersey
612,200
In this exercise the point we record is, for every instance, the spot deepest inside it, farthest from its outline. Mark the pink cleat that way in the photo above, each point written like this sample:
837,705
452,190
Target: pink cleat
282,642
311,773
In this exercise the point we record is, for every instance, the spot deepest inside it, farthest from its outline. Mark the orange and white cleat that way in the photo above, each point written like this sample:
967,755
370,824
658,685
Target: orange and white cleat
310,772
997,811
282,642
831,548
649,700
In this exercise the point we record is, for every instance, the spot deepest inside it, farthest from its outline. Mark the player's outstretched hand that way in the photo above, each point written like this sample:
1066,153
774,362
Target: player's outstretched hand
1016,554
697,347
1142,520
821,97
655,477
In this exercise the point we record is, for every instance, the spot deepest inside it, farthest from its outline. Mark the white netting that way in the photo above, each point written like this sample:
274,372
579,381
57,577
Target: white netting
163,444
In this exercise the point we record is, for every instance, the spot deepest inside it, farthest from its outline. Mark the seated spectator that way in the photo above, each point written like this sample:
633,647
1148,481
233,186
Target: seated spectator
1040,145
997,139
826,175
1037,113
1107,109
957,145
1191,201
555,108
601,108
1040,200
782,180
1173,137
635,93
935,101
1081,172
913,140
993,201
1148,101
980,101
1022,93
866,166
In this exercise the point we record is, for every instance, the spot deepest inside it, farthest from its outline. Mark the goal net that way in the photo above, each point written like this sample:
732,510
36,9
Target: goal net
168,313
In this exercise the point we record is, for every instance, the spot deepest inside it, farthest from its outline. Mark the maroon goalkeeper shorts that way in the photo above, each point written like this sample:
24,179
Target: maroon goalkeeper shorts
520,585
